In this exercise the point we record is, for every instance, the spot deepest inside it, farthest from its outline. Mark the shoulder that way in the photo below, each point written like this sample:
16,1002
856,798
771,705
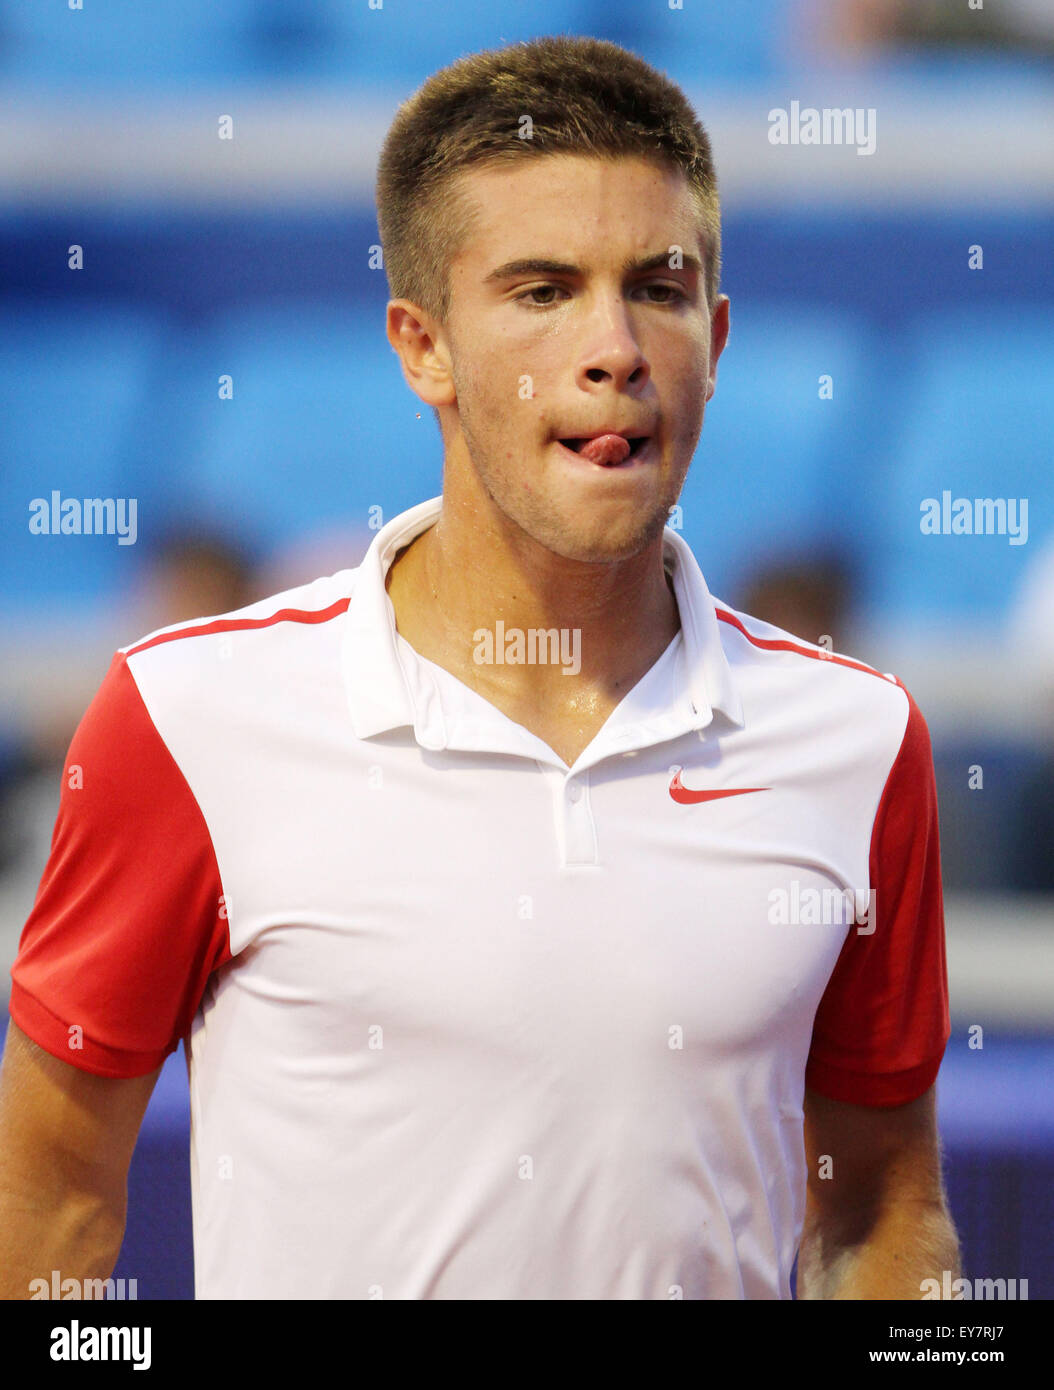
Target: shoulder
772,666
209,672
860,722
264,623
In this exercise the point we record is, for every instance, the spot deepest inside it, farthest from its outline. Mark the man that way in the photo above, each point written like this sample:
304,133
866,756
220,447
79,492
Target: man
473,877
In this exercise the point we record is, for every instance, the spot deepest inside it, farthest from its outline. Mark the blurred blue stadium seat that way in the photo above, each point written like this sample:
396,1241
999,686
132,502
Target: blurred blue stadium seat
321,425
125,42
130,42
706,41
75,381
766,479
412,38
981,836
977,421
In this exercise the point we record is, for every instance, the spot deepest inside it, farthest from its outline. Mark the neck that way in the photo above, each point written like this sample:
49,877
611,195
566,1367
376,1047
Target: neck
475,569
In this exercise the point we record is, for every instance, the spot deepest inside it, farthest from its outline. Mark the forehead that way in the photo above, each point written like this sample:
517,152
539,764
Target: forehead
578,205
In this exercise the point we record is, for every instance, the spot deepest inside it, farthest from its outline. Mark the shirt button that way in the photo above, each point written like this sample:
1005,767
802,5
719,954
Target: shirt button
574,791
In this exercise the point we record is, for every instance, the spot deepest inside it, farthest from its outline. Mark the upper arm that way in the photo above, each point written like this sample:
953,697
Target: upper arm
883,1022
130,919
62,1128
862,1158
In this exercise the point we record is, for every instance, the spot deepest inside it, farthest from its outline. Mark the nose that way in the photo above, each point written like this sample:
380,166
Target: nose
612,354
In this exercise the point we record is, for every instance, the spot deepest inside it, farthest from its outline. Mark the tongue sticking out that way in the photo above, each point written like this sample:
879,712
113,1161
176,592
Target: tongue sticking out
606,449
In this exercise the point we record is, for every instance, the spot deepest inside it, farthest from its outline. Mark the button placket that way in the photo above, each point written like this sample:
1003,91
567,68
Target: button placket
579,830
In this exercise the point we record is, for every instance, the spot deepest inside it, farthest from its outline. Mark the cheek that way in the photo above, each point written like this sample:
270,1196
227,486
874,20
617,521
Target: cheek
677,350
497,377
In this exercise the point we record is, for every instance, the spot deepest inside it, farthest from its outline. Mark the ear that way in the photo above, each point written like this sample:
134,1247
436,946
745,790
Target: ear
719,327
423,352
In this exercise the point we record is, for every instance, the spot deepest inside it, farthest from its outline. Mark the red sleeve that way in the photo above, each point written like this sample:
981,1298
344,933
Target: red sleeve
882,1024
128,921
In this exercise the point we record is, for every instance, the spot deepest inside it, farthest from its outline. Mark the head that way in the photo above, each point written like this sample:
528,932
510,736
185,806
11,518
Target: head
551,234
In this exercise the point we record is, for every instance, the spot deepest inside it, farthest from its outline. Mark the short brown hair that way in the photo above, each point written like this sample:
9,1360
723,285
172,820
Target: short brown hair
583,96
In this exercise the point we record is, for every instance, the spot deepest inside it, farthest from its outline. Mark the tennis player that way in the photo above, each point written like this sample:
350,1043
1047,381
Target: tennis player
537,926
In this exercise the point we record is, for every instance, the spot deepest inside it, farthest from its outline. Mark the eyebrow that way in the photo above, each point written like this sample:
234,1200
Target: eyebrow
541,265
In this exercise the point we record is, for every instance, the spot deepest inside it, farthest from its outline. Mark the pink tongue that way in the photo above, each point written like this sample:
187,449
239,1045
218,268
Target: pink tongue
606,449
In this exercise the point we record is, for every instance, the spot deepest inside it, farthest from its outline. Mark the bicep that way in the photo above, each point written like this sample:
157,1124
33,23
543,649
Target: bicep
63,1127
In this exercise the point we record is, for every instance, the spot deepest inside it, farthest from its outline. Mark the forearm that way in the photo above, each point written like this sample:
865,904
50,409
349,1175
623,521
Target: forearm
66,1140
886,1257
79,1235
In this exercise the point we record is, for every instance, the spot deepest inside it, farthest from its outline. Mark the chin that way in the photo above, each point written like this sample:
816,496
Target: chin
606,544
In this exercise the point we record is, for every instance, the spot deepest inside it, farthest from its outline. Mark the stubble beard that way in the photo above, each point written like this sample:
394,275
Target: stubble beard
529,513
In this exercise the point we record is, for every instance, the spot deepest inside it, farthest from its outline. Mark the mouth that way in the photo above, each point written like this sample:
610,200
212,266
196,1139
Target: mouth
609,457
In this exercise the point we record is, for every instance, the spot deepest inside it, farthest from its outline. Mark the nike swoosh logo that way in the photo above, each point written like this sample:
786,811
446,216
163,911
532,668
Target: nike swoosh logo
686,797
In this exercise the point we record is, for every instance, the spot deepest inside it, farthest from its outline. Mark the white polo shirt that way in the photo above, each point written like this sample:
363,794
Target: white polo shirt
463,1022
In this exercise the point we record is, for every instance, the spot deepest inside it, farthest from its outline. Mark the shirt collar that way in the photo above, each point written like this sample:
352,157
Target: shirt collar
390,686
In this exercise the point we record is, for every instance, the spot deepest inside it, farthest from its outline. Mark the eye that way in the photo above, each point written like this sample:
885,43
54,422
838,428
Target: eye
668,293
549,291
